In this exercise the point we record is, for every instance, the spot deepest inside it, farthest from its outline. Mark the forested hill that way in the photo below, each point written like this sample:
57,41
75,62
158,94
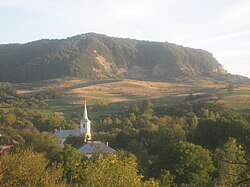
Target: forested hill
96,56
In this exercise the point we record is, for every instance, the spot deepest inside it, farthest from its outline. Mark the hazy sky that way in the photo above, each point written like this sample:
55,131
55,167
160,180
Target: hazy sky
219,26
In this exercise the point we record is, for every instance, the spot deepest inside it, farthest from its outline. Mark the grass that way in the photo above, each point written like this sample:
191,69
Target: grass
238,99
111,93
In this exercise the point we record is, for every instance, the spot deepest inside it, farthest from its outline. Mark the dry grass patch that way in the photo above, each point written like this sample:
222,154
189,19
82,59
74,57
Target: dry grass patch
111,91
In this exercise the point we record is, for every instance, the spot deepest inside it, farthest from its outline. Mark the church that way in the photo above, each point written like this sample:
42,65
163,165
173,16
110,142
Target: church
85,129
89,147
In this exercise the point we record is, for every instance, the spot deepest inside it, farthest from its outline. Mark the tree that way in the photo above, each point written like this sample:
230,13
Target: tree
151,183
73,164
10,118
212,134
167,179
146,105
122,140
133,108
74,141
107,121
28,168
117,121
132,117
192,120
118,169
45,143
233,168
190,163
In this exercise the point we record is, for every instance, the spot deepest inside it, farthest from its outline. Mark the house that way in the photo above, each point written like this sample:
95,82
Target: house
91,148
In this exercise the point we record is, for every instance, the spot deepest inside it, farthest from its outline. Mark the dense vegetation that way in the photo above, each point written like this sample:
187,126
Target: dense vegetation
186,140
193,144
10,98
94,56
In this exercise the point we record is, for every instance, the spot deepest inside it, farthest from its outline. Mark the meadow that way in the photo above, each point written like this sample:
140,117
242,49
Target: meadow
109,95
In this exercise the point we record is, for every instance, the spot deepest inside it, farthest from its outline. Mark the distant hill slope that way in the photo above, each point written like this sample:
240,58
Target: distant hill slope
96,56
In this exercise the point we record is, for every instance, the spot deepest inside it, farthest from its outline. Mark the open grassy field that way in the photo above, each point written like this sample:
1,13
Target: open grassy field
116,92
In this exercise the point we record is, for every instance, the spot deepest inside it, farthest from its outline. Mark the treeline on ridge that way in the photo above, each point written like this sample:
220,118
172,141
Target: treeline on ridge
96,56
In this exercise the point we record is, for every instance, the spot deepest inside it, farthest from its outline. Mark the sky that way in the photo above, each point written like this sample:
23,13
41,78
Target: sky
219,26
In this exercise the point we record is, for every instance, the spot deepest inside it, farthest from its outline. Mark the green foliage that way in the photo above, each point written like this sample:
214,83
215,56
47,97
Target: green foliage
75,141
49,95
133,108
212,134
78,57
122,140
73,164
147,105
44,142
113,170
7,90
190,163
167,179
28,168
50,124
151,183
233,167
9,98
158,136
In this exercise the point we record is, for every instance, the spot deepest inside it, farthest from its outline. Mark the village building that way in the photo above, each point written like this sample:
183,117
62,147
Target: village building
89,148
85,129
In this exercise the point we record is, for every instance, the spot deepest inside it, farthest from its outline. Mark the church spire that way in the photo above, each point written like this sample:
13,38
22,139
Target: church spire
85,124
85,114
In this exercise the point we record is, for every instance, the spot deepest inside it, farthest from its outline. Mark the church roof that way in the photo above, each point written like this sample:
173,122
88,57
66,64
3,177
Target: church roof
66,133
92,147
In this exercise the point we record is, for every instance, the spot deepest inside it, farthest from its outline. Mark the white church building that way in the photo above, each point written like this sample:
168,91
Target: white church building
85,129
89,147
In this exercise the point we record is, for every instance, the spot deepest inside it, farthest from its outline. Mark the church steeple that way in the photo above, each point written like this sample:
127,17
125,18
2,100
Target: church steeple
85,113
85,126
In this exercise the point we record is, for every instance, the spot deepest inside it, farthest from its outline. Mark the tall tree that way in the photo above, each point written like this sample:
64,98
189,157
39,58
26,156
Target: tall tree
113,170
73,164
233,167
190,163
28,168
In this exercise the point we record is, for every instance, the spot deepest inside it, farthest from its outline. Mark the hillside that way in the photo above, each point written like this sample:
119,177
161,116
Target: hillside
96,56
116,92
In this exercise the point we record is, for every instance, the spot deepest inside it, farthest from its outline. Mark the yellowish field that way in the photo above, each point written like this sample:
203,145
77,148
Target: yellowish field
125,90
104,92
110,91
